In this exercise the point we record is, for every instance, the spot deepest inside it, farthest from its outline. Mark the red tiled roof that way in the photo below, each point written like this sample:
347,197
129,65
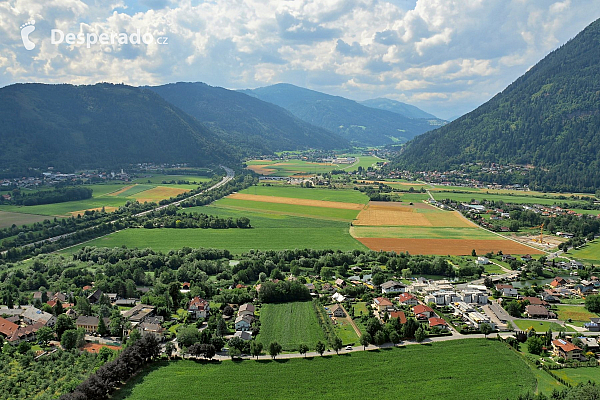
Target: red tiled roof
535,301
199,303
406,296
400,315
382,301
7,328
435,321
564,345
420,309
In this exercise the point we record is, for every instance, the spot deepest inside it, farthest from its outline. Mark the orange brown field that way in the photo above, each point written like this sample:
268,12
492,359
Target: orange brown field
159,193
453,247
261,169
390,215
297,202
106,208
118,192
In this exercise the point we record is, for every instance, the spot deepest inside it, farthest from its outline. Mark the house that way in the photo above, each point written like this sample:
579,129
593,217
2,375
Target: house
185,286
393,287
32,315
338,311
139,313
126,302
508,258
246,309
558,281
326,287
591,343
400,315
7,328
198,307
593,325
90,323
338,297
95,297
310,287
26,333
506,290
526,257
536,301
536,311
112,297
243,323
383,304
438,322
152,329
584,290
482,261
423,312
244,335
566,350
340,283
408,299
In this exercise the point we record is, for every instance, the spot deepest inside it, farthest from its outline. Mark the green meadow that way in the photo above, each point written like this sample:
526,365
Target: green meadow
341,195
589,252
459,369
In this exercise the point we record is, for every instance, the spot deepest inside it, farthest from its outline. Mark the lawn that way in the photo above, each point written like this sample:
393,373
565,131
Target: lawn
589,252
341,195
290,324
461,369
540,326
575,313
579,375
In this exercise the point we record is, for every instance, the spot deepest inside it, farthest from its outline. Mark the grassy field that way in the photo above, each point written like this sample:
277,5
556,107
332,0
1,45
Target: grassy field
418,232
289,167
589,252
540,326
461,369
7,219
133,190
575,313
345,331
579,375
340,195
290,324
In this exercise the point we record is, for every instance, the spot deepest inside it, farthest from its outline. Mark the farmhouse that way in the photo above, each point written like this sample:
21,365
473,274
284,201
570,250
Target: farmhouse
566,350
536,311
382,304
408,299
338,311
198,307
392,287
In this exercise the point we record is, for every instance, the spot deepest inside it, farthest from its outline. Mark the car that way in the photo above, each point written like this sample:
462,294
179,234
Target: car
348,347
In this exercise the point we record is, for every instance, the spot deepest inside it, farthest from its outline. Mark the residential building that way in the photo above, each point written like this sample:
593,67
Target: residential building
198,307
95,297
90,323
246,309
438,322
566,350
536,311
338,311
423,312
244,335
536,301
340,283
408,299
7,328
400,315
593,325
383,304
25,333
243,323
338,297
32,315
152,329
482,261
138,313
506,290
558,281
393,287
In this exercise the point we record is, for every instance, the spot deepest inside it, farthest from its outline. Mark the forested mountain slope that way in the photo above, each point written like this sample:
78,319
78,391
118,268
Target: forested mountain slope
250,123
102,125
549,117
398,107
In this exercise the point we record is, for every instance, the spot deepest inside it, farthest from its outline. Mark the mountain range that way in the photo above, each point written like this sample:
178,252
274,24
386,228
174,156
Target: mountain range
357,123
398,107
255,126
548,118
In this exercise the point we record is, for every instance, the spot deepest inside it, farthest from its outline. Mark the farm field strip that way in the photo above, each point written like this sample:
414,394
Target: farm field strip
507,198
337,195
446,246
159,193
419,232
131,191
398,214
460,369
294,201
7,219
290,324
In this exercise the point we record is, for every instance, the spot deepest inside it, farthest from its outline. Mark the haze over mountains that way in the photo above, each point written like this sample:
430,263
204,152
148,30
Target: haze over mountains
361,125
397,107
549,118
257,127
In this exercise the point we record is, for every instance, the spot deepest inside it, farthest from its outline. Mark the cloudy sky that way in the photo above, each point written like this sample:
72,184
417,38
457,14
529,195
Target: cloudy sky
445,56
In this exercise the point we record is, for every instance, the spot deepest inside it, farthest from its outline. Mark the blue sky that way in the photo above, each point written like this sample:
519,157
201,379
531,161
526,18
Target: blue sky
445,56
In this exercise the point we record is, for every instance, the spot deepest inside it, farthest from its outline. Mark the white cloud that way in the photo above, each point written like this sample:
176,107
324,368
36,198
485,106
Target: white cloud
447,56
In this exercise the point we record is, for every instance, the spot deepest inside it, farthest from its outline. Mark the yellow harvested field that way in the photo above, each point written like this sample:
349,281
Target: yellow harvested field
419,214
297,202
159,193
107,209
118,192
261,169
376,215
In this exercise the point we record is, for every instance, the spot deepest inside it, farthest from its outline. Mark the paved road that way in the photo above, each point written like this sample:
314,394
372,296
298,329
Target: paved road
230,174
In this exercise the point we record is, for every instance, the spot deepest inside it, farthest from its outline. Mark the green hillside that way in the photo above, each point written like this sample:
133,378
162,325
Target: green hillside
103,125
548,118
255,126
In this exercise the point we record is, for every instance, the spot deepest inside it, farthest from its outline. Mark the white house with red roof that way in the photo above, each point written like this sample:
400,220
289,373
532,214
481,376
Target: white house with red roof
423,312
408,299
198,307
438,322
